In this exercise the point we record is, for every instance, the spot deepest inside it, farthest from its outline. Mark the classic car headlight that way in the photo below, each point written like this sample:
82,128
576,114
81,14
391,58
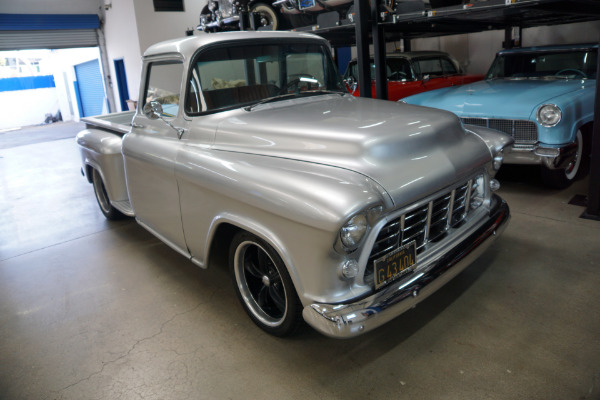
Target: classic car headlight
353,231
549,115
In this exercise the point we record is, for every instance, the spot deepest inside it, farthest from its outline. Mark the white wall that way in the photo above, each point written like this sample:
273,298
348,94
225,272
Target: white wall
154,27
476,51
35,102
131,26
122,42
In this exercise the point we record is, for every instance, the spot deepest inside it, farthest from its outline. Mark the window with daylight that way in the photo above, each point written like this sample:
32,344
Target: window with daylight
168,5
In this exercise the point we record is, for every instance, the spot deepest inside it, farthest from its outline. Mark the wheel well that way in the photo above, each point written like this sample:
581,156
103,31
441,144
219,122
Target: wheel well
587,128
586,131
219,248
88,173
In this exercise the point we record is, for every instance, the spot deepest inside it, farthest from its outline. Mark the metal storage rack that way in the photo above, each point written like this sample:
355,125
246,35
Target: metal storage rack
415,19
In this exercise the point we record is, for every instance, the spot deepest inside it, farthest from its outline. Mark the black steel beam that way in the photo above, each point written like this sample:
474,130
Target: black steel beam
363,11
593,198
379,54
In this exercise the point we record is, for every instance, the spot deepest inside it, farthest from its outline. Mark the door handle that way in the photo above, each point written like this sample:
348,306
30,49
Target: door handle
139,126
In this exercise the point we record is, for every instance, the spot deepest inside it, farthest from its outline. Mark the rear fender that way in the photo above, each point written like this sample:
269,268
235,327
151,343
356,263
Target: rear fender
101,150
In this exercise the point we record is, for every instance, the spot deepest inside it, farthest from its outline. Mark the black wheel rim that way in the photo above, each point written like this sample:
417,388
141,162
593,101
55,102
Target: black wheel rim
260,284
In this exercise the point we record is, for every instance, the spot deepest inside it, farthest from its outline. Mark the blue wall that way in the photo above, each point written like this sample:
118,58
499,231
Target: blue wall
26,83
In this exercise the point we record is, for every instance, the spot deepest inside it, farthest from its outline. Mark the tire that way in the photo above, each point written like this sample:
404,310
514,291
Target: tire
264,286
268,16
563,178
107,209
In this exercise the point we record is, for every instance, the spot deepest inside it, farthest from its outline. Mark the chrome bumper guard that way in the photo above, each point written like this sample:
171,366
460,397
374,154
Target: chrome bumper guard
353,319
550,157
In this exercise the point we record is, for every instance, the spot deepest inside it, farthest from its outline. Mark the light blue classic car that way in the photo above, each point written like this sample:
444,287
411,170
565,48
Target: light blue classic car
543,97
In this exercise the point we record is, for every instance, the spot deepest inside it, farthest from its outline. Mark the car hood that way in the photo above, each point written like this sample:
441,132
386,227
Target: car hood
410,151
502,98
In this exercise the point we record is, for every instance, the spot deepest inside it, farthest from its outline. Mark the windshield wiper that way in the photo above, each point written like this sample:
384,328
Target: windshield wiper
292,95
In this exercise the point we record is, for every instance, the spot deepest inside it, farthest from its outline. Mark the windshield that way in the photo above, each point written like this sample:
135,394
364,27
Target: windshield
578,64
239,75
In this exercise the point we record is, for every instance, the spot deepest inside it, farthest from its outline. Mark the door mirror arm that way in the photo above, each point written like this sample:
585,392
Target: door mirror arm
153,110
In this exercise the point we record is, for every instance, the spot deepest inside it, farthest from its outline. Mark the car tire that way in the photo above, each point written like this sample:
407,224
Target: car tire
268,15
263,285
563,178
107,209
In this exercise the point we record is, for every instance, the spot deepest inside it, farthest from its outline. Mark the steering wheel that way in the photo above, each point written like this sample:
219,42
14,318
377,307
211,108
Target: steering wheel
295,83
576,71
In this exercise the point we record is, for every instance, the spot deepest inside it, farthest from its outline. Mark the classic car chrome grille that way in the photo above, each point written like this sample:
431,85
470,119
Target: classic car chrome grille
426,223
523,131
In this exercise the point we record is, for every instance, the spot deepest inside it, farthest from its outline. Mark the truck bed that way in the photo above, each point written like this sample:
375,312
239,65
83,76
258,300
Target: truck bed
118,123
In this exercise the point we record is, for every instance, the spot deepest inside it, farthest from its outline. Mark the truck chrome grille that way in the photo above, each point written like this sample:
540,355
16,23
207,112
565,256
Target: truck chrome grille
426,223
523,131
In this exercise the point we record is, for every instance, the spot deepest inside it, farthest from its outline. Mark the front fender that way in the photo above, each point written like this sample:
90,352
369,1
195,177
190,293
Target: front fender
297,207
577,110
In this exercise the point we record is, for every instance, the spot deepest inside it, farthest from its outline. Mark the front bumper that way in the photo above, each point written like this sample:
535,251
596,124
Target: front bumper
549,157
353,319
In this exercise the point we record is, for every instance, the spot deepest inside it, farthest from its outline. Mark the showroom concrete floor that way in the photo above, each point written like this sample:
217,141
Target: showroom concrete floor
91,309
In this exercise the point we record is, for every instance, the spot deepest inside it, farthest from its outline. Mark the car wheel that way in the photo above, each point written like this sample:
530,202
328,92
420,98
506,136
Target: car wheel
267,15
103,201
562,178
264,286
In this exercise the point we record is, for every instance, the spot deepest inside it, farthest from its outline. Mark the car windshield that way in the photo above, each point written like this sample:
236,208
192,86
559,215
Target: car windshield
240,75
579,64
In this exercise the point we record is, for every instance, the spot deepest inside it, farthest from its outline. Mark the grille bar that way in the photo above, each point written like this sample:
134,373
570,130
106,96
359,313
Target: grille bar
425,224
523,131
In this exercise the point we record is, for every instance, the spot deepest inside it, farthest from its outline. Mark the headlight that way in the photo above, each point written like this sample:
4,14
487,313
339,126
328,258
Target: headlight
353,231
549,115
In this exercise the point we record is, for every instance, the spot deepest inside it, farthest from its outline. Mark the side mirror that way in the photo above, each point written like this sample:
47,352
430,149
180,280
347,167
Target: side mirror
153,110
426,79
351,82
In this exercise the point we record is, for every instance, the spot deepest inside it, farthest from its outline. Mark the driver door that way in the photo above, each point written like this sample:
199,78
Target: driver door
150,152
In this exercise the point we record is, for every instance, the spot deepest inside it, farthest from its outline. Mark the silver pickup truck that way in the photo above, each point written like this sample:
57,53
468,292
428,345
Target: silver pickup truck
340,211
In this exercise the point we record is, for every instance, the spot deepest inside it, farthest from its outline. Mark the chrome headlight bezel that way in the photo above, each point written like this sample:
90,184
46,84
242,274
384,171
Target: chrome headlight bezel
352,234
353,231
549,115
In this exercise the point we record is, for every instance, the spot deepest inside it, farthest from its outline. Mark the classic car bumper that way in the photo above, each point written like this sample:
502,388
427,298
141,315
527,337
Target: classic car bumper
349,320
550,157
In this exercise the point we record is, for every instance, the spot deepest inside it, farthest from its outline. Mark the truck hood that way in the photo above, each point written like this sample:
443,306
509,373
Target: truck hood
501,98
410,151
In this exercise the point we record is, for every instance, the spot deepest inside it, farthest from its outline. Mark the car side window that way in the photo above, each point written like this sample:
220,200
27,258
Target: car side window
448,67
163,85
430,66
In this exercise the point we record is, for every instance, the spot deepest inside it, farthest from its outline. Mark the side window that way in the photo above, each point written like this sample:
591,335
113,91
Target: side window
163,85
430,66
448,67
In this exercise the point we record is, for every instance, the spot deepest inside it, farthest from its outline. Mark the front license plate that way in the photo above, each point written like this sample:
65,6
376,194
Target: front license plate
395,264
